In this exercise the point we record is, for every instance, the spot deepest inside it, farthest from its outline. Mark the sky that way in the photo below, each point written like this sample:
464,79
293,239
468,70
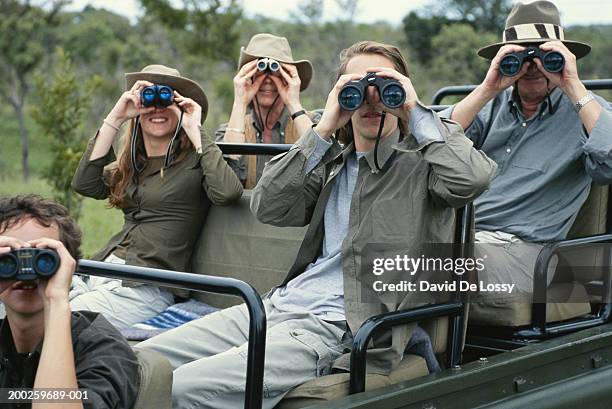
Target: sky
573,12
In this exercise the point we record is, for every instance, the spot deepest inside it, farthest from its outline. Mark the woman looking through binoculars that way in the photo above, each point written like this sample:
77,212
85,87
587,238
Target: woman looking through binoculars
267,107
164,181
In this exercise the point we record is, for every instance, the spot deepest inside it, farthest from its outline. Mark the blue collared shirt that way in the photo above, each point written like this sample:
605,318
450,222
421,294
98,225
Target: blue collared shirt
546,165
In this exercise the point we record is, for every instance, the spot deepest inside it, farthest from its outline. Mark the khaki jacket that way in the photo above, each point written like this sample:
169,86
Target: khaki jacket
410,201
163,217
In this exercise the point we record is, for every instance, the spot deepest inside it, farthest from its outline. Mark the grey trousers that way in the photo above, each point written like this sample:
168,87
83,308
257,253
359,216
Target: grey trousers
509,260
209,355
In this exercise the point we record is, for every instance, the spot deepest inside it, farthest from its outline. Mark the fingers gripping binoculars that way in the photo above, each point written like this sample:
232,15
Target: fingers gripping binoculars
29,264
159,96
268,65
352,95
511,64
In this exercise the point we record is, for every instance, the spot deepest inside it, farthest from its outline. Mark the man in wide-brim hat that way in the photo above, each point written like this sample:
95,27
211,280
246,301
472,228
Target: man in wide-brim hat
267,107
550,137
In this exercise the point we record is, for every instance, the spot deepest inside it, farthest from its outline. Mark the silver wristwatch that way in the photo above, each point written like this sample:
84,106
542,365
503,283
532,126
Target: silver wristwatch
583,101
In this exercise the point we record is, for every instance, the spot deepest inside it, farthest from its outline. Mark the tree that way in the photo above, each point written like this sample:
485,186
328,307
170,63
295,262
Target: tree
59,111
420,31
483,15
24,36
204,28
456,61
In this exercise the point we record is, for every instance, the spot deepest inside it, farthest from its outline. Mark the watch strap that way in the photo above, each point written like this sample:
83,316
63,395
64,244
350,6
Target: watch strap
583,101
297,114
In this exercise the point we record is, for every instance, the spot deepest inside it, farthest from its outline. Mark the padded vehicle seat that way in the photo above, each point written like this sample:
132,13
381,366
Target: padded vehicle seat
155,391
591,220
335,386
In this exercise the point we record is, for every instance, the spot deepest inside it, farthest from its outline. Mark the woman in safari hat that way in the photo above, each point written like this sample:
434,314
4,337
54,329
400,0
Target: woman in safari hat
267,107
164,181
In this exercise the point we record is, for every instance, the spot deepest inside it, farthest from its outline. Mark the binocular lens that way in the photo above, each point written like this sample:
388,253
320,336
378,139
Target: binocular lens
393,96
274,66
553,61
510,65
262,65
350,98
165,95
148,96
46,264
8,265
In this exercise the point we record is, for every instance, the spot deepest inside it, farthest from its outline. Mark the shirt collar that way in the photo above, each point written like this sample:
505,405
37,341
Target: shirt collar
281,122
8,352
385,150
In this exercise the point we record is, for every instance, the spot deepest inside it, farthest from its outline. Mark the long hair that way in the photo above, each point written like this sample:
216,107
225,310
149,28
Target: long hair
345,134
123,173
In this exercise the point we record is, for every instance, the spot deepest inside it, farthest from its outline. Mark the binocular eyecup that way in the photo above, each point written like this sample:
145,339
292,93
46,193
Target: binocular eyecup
268,65
29,264
159,96
352,95
511,64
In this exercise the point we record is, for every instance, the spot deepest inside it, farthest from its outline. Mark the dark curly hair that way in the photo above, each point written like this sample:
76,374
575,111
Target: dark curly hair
46,212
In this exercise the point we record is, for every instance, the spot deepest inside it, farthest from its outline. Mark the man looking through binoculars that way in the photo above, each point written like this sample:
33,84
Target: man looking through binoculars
550,137
42,343
267,107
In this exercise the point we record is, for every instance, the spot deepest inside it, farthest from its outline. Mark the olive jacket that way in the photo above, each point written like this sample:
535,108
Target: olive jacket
410,201
162,216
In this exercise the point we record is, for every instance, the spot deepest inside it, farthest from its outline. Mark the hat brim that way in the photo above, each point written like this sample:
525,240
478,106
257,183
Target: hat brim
184,86
304,67
577,48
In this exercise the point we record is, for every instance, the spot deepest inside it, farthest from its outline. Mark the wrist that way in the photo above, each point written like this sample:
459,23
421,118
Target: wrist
113,120
57,301
293,108
486,93
323,132
575,90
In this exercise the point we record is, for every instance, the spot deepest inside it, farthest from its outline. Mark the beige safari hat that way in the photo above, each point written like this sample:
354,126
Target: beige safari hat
160,74
266,45
536,23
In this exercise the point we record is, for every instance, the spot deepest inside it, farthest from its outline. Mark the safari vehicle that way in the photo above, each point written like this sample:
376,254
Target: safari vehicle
546,355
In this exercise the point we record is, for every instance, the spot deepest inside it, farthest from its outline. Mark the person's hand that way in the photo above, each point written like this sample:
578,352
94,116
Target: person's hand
494,81
288,87
568,77
57,287
411,95
192,117
333,116
7,244
245,87
129,106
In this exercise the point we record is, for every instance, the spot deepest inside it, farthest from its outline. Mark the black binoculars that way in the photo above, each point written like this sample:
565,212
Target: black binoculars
28,264
268,65
391,92
511,64
159,96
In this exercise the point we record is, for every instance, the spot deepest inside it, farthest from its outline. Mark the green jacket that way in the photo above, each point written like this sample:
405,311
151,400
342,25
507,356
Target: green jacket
163,217
410,201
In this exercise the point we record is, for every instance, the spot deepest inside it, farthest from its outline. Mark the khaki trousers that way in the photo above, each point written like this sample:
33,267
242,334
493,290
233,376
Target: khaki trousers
209,355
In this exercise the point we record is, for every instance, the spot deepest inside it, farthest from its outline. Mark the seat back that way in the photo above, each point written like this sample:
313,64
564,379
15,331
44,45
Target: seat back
155,390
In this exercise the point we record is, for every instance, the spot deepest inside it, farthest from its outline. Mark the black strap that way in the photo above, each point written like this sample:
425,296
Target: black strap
380,128
298,114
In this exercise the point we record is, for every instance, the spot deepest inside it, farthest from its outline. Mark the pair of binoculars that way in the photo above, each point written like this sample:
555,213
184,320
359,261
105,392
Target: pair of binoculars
511,64
391,92
28,264
268,65
159,96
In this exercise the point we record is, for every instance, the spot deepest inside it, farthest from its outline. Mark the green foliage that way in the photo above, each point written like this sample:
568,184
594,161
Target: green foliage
59,113
419,33
456,61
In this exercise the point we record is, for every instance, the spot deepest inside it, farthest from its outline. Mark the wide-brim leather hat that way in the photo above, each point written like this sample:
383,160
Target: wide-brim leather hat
160,74
534,23
266,45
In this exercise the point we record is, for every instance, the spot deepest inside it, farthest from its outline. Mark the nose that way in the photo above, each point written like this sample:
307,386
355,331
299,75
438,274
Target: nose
372,96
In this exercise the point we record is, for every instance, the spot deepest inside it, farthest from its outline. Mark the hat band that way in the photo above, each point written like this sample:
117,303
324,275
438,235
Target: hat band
533,31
